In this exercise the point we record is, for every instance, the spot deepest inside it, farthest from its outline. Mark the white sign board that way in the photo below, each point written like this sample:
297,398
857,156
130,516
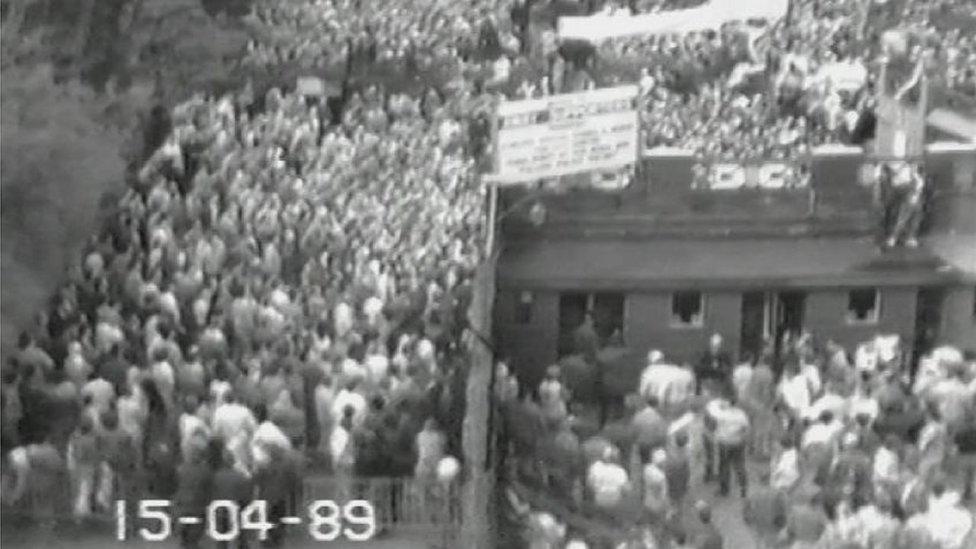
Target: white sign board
708,16
566,134
310,86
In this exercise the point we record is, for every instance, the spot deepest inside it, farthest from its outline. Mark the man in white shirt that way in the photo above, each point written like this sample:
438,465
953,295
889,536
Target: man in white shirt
824,431
887,464
430,449
102,393
731,434
657,502
351,398
234,423
785,467
342,453
607,480
795,391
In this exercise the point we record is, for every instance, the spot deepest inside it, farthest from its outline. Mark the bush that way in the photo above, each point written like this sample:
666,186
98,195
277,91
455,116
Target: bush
58,159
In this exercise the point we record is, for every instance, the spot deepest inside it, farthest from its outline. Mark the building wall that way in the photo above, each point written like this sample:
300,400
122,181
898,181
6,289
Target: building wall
532,346
826,309
648,326
959,317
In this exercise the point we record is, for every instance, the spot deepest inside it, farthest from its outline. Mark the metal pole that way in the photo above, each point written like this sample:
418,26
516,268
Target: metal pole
474,437
492,219
477,493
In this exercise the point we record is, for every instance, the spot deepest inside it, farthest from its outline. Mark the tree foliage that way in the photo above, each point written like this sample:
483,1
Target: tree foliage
58,158
68,121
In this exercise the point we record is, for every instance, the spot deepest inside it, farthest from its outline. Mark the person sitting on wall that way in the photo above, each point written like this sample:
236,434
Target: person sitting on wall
905,184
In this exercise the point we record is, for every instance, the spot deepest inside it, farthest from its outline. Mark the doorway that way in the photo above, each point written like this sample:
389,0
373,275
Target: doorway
789,313
928,322
754,331
767,317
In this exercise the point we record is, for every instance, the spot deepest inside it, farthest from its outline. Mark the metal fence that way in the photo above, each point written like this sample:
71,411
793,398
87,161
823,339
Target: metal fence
402,505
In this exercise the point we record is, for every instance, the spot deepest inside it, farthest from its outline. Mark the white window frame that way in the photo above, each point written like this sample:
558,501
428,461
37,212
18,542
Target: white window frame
674,321
875,313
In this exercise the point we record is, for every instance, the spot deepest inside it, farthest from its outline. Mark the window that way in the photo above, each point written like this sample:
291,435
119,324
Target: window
523,308
687,310
863,306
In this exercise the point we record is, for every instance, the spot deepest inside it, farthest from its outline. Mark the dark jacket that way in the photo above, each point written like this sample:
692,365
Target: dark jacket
714,368
195,486
229,483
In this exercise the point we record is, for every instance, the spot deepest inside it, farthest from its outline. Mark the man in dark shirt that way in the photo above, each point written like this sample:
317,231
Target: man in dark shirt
586,342
193,494
765,512
277,483
231,484
709,538
714,369
902,419
965,440
677,469
114,368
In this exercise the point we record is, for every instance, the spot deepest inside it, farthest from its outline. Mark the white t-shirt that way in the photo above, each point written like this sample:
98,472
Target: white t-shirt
269,434
885,465
796,392
607,481
741,376
862,404
829,401
339,450
731,425
822,433
353,399
232,419
786,470
101,392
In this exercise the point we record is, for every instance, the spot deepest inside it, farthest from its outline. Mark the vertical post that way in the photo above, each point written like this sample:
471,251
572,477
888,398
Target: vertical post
492,218
474,432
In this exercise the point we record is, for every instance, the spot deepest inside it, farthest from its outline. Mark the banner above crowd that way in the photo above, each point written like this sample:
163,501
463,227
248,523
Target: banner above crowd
709,16
566,134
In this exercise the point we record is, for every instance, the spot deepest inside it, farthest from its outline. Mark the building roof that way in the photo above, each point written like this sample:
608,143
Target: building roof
715,263
953,123
958,250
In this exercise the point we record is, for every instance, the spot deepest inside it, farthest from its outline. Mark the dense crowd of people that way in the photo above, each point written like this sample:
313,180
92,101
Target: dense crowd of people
825,448
285,282
740,92
274,293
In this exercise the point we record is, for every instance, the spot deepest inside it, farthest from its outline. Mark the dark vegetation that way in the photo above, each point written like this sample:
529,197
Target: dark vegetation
84,89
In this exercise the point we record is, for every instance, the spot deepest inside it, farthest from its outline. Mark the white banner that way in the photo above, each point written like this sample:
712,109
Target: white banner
728,176
566,134
844,76
773,175
709,16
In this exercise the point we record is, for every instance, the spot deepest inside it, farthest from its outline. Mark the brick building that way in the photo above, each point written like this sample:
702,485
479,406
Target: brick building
666,263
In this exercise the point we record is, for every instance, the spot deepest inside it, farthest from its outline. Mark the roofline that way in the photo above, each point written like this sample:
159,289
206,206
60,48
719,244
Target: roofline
875,279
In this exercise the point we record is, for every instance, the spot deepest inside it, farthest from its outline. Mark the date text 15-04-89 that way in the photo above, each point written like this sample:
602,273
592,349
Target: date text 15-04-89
225,520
